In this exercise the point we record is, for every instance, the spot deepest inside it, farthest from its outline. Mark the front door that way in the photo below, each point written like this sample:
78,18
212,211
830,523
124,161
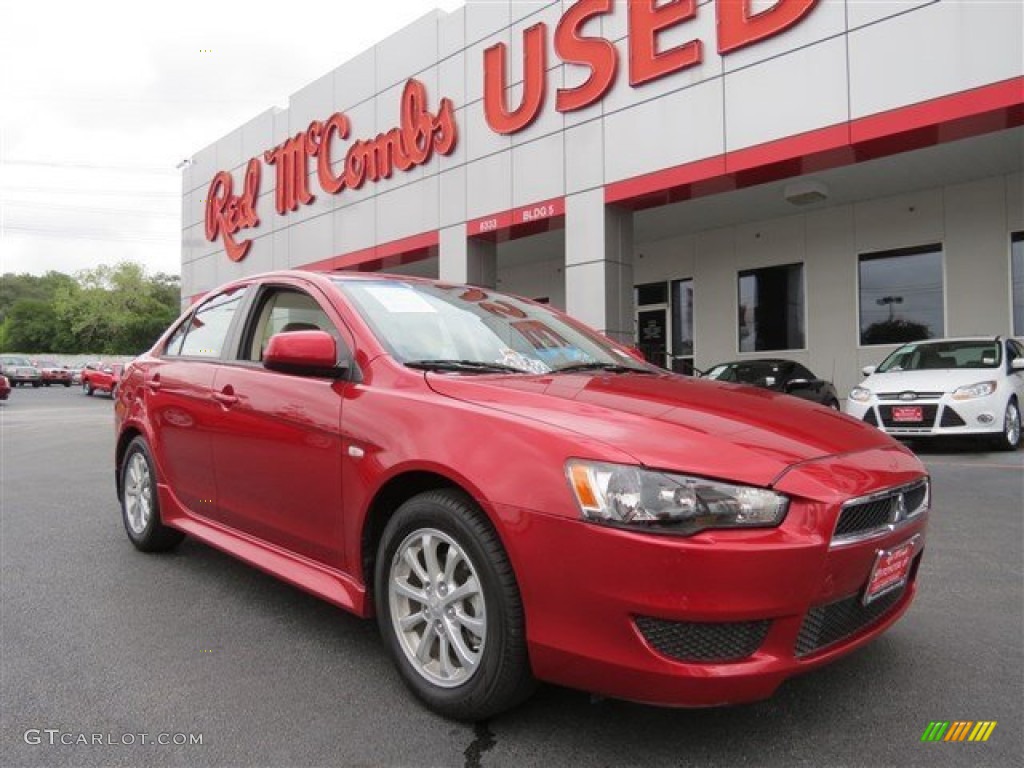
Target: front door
652,335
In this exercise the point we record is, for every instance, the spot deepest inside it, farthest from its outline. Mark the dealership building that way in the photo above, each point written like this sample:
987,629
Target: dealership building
709,179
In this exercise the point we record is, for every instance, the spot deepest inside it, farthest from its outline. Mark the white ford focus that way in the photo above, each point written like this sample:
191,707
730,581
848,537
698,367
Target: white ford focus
965,386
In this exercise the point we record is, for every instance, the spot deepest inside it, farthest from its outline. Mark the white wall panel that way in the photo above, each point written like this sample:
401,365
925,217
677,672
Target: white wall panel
355,228
860,13
452,196
408,51
1015,202
939,49
258,136
408,210
480,140
827,19
678,128
355,81
451,32
549,120
899,222
279,241
484,18
314,102
451,79
537,170
475,64
489,185
311,242
770,243
622,94
203,167
584,156
787,95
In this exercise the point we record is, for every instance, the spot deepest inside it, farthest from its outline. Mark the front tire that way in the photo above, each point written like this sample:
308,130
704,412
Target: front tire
449,609
1009,439
140,504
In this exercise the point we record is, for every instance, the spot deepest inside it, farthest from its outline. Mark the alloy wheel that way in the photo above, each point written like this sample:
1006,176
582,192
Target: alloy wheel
437,607
138,494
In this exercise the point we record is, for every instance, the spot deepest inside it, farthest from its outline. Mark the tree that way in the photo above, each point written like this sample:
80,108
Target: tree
895,331
31,326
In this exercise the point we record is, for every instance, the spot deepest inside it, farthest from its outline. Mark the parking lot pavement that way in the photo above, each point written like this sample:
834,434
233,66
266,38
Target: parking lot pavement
98,639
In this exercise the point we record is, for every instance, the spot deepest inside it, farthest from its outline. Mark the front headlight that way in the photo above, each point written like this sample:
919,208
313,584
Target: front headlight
668,503
860,394
981,389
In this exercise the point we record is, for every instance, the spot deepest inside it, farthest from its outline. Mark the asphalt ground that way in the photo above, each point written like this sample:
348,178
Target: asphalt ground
102,642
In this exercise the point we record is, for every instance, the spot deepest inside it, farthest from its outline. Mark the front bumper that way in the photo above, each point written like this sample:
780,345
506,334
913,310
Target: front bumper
607,610
941,416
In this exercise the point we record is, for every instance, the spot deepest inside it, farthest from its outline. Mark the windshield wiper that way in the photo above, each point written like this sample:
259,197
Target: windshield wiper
472,366
609,367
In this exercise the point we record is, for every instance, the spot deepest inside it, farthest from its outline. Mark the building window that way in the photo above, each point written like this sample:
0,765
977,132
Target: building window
1017,278
771,311
682,326
901,296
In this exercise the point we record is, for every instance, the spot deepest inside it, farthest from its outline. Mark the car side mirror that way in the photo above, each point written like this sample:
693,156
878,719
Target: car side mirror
867,370
1017,364
310,353
795,384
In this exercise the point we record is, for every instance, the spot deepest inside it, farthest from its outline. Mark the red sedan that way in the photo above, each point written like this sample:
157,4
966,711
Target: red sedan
514,497
5,388
102,378
52,373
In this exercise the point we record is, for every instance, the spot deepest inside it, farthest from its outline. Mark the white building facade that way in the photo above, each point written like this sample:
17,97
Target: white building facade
712,179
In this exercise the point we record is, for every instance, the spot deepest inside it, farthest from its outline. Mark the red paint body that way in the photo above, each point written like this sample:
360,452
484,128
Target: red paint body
258,463
5,388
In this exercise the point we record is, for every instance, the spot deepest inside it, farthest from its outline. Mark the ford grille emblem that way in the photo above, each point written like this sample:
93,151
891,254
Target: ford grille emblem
908,396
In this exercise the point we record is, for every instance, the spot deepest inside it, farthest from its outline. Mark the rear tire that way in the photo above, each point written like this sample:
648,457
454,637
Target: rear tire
140,503
449,609
1010,438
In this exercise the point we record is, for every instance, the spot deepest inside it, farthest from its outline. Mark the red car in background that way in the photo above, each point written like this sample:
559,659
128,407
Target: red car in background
5,388
514,496
53,373
103,378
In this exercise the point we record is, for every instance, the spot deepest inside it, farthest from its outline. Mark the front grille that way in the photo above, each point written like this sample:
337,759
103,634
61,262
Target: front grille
917,395
927,416
703,641
951,418
880,511
825,625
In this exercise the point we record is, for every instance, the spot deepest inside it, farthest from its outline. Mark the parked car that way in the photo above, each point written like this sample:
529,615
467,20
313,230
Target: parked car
968,386
76,374
5,387
780,376
19,370
514,496
103,378
53,373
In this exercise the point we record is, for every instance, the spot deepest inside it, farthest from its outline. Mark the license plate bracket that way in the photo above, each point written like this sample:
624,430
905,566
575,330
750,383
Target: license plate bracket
908,413
891,569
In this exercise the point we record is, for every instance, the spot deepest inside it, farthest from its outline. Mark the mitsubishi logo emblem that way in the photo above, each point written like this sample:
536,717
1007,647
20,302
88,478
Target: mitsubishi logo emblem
899,508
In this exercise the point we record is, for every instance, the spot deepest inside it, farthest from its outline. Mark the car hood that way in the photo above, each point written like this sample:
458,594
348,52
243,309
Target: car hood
728,431
940,380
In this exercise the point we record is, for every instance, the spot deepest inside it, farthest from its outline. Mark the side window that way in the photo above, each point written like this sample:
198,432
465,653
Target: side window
173,346
207,330
799,372
283,311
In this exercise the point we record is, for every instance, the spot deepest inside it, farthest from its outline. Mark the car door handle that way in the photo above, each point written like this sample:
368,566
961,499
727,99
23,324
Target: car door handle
226,397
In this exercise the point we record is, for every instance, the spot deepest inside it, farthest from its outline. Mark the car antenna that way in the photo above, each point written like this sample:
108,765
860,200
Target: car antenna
833,379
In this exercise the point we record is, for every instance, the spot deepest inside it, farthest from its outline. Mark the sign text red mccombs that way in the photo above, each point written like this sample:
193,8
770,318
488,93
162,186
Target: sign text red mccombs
419,134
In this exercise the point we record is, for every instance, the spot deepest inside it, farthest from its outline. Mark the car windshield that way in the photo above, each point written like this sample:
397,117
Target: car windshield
943,355
467,329
16,361
46,364
760,372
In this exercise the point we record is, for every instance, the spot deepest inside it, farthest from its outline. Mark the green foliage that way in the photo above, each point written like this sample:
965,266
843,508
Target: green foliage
107,310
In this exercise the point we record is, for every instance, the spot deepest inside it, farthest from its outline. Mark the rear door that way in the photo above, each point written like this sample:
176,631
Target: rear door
179,394
277,450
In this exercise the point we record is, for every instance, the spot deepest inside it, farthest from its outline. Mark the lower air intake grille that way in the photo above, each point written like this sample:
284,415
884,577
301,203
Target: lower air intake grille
704,642
828,624
951,418
870,417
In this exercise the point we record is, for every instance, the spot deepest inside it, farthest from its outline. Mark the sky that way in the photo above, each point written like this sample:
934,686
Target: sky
100,101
